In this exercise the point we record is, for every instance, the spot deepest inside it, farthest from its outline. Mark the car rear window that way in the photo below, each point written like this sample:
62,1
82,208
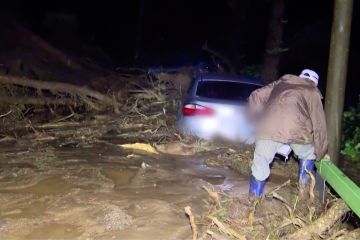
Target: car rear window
225,90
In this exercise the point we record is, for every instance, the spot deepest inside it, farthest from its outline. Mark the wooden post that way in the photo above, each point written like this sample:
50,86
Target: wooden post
337,68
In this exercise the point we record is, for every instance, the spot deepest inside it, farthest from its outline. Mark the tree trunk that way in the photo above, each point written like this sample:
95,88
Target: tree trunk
56,87
273,42
323,223
337,68
93,99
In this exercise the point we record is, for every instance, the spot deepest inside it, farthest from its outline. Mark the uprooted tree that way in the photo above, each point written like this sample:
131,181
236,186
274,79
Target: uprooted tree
36,92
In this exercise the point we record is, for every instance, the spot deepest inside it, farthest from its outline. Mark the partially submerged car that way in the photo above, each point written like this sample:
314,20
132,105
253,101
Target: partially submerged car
215,107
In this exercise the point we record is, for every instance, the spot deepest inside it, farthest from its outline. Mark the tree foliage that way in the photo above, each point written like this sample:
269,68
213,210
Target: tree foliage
351,133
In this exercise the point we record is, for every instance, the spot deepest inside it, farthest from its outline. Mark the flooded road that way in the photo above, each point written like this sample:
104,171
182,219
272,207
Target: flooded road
102,191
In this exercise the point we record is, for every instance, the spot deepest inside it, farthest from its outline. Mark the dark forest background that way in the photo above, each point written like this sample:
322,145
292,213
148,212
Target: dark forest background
155,33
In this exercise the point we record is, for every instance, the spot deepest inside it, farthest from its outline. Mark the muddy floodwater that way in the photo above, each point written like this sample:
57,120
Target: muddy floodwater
100,191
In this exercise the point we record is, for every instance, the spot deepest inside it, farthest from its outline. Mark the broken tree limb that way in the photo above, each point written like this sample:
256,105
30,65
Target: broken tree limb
88,96
5,114
192,222
333,214
269,194
55,87
213,195
227,230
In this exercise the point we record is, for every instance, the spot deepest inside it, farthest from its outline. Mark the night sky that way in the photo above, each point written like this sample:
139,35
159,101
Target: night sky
171,33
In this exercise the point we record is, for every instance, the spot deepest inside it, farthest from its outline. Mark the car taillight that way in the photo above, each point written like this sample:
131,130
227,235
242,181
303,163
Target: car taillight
196,110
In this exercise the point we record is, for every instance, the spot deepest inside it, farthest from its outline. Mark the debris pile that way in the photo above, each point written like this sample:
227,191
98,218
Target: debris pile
136,110
280,214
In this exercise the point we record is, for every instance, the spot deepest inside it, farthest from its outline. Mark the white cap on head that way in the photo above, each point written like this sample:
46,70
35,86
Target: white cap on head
311,75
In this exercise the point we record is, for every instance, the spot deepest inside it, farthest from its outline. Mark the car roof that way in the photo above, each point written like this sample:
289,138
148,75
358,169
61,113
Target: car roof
233,78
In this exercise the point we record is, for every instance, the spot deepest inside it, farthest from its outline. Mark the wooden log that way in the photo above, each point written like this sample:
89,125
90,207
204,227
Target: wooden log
192,222
90,97
56,87
332,215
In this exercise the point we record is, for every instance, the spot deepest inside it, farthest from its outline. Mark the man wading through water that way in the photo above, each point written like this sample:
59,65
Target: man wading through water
291,113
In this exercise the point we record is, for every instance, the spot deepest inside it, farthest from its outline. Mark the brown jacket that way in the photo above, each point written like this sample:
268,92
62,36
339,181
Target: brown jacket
292,112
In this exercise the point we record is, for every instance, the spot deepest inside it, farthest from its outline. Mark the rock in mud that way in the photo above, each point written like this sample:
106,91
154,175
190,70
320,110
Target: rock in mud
115,218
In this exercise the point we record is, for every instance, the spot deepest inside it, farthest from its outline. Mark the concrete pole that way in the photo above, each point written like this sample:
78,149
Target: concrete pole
337,68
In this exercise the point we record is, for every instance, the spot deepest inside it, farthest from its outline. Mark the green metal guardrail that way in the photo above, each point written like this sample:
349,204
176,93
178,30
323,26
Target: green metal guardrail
343,185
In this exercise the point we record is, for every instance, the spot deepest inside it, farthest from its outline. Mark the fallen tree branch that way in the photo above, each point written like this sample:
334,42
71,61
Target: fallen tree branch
223,228
5,114
336,211
192,222
293,218
88,96
269,194
213,195
55,87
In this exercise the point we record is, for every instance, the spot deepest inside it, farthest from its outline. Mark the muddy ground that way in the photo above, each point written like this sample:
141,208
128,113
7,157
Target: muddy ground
77,182
66,174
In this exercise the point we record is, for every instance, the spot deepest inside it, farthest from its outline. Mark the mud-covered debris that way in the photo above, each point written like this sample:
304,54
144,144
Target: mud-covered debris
323,223
177,148
144,147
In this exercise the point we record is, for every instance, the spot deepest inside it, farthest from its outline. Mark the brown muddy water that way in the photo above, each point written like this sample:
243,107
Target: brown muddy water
100,191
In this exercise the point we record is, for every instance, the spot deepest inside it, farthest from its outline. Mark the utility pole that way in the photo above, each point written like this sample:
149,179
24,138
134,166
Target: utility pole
336,78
